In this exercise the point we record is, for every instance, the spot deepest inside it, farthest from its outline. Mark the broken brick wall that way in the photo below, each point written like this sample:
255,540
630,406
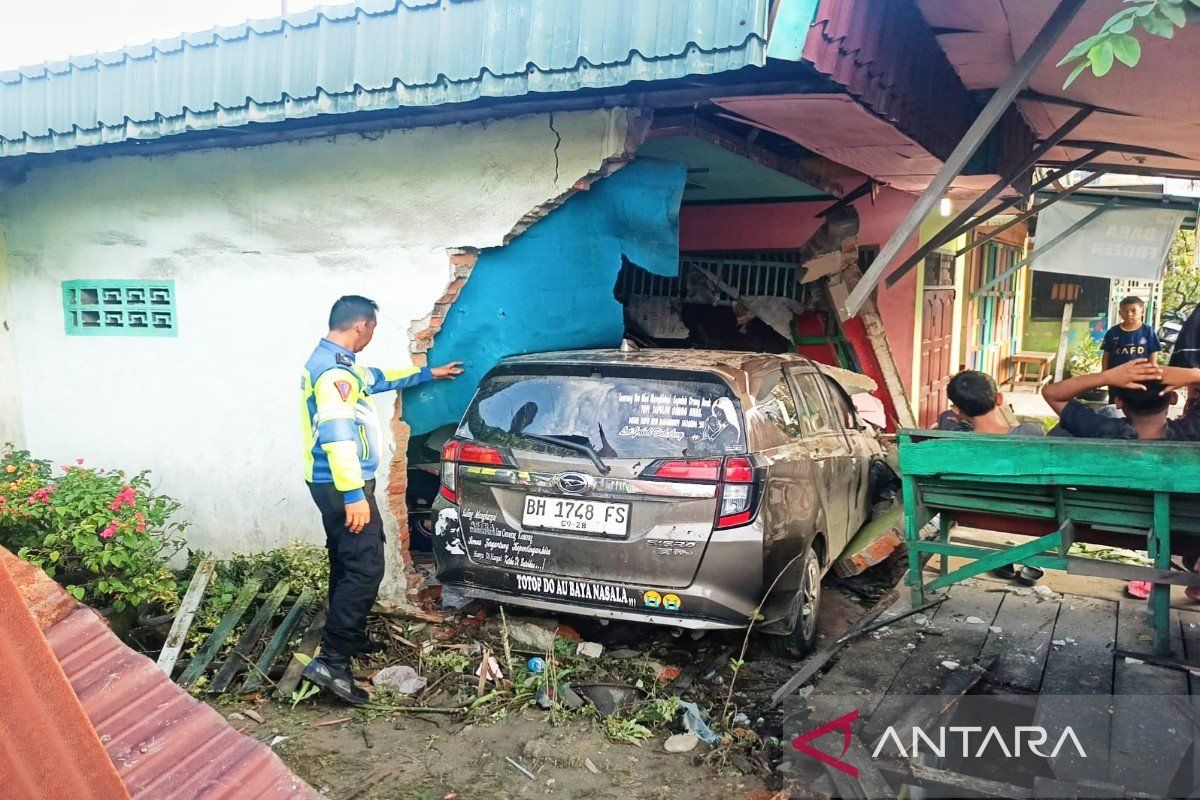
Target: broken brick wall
550,288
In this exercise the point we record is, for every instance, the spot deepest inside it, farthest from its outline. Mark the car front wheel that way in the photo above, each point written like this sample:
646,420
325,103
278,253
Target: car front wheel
804,636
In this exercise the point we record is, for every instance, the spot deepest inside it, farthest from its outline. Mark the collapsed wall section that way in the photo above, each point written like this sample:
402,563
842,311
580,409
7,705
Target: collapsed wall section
550,288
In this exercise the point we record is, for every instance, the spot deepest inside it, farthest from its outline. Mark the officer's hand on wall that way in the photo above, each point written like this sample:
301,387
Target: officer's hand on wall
357,515
447,370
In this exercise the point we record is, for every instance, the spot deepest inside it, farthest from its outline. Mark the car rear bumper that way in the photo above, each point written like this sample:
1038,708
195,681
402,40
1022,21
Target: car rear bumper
598,612
724,595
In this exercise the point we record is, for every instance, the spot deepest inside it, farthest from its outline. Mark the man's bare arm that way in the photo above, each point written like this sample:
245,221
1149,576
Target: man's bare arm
1179,377
1126,376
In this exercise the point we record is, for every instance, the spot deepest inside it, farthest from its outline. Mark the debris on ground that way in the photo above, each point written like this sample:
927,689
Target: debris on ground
489,669
589,649
681,743
401,679
694,722
1046,593
610,699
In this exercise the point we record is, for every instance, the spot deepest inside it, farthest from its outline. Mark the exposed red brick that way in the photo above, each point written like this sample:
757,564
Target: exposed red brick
423,332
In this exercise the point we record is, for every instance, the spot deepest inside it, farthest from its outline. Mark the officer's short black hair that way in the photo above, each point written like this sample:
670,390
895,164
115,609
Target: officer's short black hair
1143,402
973,392
350,309
1131,300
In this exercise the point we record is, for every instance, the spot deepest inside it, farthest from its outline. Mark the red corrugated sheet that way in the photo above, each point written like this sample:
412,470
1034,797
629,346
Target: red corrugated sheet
47,747
164,744
885,54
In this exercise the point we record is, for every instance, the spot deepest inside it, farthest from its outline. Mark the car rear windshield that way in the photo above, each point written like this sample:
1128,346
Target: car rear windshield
616,416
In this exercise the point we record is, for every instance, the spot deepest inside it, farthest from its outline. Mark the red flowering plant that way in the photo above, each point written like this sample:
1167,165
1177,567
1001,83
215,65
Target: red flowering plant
106,536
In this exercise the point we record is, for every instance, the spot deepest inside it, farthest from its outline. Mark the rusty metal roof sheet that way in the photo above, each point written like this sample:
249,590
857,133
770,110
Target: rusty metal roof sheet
887,56
165,744
47,746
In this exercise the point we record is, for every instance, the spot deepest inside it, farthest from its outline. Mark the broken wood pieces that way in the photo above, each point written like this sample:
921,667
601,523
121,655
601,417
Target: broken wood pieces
280,639
239,659
187,612
212,644
312,637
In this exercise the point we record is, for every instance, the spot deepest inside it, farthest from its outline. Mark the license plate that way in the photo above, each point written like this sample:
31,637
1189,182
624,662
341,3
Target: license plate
580,516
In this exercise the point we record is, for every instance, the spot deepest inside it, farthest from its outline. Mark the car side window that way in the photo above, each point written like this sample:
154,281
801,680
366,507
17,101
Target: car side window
778,406
815,417
841,409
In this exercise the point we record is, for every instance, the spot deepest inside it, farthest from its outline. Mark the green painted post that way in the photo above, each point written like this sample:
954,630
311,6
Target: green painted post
912,530
944,537
1159,548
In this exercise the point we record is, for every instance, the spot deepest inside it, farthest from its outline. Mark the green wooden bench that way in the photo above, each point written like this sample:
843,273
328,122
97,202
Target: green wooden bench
1057,491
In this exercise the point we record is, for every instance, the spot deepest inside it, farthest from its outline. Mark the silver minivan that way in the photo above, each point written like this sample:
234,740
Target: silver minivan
661,486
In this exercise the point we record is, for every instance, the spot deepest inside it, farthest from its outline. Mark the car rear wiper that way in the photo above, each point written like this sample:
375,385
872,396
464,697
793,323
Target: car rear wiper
578,447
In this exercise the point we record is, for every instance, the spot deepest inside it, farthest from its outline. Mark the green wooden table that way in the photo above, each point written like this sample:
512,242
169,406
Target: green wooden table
1066,487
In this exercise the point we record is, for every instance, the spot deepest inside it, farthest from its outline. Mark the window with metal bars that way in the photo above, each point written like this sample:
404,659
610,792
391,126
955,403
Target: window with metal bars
119,308
749,278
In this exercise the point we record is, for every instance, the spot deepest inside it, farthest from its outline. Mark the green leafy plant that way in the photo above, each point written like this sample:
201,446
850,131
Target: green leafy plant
302,692
1117,39
447,661
105,535
629,731
1085,357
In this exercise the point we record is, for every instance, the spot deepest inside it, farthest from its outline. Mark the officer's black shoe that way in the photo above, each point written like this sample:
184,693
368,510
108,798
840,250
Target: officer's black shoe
331,672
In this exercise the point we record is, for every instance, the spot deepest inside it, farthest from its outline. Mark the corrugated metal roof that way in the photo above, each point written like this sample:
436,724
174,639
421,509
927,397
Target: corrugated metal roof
886,56
371,56
47,745
164,744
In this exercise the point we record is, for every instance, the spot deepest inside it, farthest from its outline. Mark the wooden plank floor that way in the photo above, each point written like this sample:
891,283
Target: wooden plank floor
1081,665
1056,649
1146,749
1018,650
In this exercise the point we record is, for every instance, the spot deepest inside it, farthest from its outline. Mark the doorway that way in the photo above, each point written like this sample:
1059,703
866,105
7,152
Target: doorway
937,336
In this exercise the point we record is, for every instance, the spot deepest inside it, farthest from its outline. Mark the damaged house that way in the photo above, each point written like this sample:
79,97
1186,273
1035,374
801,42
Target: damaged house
502,176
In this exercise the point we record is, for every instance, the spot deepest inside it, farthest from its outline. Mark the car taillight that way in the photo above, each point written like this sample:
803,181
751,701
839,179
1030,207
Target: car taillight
708,469
738,493
737,480
455,452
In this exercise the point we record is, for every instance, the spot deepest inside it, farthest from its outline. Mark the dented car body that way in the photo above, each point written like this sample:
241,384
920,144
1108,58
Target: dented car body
661,486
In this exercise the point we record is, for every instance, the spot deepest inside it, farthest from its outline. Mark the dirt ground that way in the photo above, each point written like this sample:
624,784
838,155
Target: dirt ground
378,753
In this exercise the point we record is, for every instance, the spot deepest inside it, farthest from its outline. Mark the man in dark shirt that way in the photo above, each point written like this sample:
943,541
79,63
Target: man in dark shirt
976,405
1143,391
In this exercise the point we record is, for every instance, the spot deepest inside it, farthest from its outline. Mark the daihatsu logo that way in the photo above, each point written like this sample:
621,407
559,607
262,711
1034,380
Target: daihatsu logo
573,482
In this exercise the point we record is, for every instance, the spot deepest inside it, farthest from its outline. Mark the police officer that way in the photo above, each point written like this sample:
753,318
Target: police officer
342,445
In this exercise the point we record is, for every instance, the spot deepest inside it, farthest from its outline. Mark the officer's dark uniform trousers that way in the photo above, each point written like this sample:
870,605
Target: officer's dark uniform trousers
355,568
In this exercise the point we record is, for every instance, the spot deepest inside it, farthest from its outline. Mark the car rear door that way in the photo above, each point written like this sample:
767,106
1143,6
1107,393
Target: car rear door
860,457
830,450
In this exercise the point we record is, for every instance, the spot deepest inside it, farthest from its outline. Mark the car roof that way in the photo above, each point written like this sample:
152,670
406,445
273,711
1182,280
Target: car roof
728,363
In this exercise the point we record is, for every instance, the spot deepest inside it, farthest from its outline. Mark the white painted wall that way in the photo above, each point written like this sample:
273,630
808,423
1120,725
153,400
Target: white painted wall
260,241
11,429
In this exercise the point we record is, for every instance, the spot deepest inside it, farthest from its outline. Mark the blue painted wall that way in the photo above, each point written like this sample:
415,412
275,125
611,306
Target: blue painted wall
552,287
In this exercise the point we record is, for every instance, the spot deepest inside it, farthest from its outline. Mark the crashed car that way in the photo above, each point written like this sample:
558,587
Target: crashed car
663,486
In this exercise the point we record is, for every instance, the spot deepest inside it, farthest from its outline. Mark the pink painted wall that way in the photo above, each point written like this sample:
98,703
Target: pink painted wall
789,225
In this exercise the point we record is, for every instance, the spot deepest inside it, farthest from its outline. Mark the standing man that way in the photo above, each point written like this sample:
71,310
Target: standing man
342,444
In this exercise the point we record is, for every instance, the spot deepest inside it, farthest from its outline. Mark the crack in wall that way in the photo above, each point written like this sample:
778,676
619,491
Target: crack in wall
557,144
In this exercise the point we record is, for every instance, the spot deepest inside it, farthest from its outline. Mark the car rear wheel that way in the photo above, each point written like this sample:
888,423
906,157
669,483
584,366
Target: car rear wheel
804,636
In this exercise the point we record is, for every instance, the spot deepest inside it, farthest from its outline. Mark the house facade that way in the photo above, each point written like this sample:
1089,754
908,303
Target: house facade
177,218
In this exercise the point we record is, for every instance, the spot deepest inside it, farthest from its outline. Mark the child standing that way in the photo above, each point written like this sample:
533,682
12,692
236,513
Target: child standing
1132,339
